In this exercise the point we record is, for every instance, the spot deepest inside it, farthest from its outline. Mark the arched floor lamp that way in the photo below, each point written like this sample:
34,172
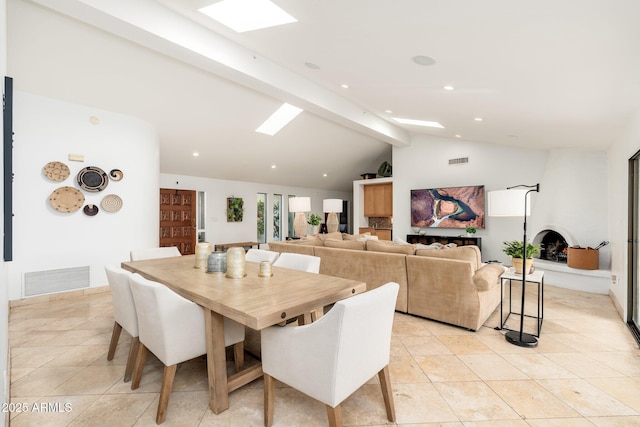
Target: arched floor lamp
509,203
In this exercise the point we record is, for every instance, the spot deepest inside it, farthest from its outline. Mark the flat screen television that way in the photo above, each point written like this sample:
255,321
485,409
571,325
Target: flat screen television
448,207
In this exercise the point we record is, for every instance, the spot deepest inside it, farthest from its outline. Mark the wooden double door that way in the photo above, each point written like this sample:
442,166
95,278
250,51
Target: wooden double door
178,219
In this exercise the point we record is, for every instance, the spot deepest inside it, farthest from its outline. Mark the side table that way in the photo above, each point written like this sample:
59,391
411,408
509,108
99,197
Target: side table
536,277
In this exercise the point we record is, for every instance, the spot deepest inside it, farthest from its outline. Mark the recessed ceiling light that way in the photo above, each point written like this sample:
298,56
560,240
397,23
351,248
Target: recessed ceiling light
247,15
388,111
196,154
478,119
324,175
273,166
344,86
458,136
312,65
448,87
279,119
425,123
423,60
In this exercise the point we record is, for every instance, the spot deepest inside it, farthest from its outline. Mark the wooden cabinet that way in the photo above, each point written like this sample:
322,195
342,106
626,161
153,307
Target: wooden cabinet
378,200
458,240
382,234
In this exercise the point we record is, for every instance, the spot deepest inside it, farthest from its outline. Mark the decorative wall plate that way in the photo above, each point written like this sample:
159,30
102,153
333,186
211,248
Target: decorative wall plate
92,179
90,209
56,171
66,199
111,203
116,174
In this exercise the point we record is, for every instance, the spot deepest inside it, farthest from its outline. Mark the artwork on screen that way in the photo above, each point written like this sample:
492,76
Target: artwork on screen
448,207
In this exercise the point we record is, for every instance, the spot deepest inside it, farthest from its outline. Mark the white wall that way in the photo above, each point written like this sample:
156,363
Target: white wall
218,230
44,239
425,164
619,153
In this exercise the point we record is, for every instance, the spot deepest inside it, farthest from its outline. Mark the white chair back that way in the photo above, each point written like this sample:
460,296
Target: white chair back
124,309
259,255
308,263
153,253
350,344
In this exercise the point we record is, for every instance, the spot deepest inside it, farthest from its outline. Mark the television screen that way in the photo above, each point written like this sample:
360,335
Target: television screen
448,207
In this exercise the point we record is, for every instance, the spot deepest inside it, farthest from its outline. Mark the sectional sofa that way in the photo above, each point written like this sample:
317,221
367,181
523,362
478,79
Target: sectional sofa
450,285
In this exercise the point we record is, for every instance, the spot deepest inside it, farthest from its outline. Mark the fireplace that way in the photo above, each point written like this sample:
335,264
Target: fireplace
553,245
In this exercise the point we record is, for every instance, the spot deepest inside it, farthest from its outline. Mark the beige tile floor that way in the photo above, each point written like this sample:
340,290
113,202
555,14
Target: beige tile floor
585,372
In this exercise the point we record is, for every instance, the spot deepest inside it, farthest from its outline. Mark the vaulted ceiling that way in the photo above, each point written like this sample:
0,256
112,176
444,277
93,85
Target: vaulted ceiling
539,74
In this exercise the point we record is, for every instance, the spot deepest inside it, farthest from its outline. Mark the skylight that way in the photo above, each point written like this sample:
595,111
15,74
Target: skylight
425,123
279,119
247,15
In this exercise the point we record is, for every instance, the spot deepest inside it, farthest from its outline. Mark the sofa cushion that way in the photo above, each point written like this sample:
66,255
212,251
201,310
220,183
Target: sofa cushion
362,236
312,240
388,246
463,253
331,236
345,244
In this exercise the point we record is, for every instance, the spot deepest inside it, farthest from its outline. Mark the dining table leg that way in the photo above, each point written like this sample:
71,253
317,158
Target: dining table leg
216,362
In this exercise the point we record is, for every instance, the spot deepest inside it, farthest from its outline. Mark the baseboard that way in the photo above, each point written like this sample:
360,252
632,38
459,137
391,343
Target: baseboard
58,296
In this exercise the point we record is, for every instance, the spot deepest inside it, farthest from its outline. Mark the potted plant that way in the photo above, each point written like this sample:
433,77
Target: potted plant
471,230
515,249
314,220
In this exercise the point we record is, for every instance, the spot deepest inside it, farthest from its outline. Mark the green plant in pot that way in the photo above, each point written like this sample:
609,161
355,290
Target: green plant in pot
515,249
314,220
471,230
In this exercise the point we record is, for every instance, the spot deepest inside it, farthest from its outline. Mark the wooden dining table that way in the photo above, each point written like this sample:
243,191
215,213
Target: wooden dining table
254,301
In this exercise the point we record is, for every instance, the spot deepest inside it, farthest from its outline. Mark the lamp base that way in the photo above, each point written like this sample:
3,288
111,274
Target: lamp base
521,340
332,222
300,224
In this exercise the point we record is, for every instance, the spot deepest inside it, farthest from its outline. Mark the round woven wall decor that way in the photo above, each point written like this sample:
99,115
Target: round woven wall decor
56,171
92,179
111,203
66,199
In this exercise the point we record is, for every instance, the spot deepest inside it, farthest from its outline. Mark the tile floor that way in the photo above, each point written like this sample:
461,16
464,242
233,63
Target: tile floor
585,372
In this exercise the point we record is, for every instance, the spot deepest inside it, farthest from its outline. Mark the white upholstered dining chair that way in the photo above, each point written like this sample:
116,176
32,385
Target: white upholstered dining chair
124,314
344,349
259,255
308,263
153,253
173,329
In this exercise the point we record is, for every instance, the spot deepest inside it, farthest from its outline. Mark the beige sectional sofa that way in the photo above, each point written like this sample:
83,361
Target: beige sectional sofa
449,285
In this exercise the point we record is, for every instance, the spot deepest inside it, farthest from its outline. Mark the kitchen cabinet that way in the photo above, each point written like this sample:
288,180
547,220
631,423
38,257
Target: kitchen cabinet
378,200
383,234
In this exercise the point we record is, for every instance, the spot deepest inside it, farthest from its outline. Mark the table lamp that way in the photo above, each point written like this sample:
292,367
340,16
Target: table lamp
300,205
509,203
332,207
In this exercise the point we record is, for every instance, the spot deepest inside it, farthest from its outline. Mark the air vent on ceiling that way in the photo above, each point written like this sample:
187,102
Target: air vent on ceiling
49,281
459,161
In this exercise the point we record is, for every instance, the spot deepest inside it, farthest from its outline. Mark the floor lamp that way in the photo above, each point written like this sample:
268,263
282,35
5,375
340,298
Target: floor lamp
300,205
332,207
509,203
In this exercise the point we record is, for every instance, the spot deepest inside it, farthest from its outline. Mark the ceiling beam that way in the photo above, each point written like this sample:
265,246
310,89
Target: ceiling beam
156,27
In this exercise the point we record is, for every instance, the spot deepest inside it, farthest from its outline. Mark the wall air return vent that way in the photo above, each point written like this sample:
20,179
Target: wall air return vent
459,161
50,281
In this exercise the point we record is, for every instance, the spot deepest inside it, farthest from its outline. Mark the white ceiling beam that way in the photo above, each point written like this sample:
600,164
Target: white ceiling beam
154,26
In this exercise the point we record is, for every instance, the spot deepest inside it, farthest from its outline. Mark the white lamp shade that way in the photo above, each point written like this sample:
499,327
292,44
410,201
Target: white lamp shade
300,204
332,205
508,202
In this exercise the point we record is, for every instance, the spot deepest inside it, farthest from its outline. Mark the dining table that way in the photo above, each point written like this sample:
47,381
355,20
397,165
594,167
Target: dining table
255,301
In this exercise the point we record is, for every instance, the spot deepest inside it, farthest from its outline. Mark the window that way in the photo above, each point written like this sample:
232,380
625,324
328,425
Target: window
200,216
290,217
262,201
277,217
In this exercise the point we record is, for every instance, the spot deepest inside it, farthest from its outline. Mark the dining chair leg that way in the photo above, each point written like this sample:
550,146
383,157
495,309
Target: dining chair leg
238,355
269,396
335,416
141,358
131,360
168,375
115,336
387,393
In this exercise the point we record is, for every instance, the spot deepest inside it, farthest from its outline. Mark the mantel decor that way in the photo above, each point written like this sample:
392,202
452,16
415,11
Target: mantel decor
235,209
